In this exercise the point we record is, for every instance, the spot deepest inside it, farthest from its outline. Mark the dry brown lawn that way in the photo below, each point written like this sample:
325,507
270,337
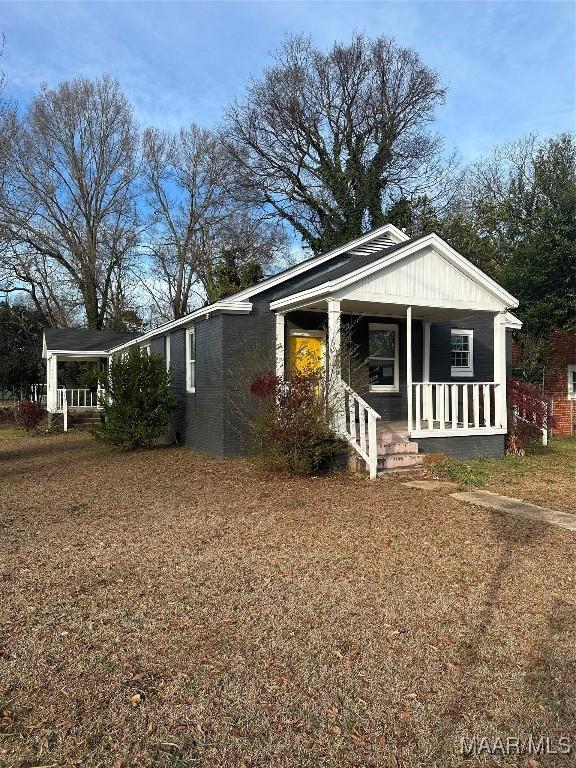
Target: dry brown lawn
547,477
168,609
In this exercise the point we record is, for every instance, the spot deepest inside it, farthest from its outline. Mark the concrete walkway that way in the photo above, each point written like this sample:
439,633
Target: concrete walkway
519,508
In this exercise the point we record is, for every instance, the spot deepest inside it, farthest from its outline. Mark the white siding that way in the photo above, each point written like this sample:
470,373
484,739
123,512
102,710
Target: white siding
424,279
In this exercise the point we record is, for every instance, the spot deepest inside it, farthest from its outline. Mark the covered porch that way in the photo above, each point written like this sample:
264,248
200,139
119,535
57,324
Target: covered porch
427,372
424,337
393,358
75,358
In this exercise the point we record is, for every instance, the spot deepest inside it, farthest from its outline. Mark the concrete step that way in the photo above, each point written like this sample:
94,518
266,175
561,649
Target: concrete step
405,473
385,437
406,446
83,423
399,460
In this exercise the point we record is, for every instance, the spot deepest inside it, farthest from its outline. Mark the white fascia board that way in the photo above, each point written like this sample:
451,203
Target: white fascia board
238,304
298,269
78,353
230,306
473,271
511,321
433,240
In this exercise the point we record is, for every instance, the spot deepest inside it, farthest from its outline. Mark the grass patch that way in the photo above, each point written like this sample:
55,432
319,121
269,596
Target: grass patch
10,432
462,472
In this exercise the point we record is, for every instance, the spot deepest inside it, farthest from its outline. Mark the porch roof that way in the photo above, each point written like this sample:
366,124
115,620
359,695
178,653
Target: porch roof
74,341
422,272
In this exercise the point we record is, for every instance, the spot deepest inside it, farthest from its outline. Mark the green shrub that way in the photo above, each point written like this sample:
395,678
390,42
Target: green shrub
136,401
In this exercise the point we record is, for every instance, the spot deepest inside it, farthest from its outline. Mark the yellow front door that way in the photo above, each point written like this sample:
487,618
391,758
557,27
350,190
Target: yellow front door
305,353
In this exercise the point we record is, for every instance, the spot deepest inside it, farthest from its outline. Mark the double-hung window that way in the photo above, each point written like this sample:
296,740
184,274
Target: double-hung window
191,360
462,352
145,349
572,382
383,356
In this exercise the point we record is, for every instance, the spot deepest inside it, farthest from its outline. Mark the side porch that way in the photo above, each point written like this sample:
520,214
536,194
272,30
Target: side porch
75,359
82,403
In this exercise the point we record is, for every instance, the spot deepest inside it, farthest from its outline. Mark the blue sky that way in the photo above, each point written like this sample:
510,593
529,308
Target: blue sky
509,66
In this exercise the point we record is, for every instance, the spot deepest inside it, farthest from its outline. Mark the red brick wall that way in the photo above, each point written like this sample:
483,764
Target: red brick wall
561,354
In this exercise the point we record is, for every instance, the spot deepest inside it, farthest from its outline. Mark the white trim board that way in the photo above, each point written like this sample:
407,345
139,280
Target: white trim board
232,307
433,241
422,433
239,304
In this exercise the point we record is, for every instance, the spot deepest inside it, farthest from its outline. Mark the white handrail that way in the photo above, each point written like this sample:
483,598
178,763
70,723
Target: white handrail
356,422
455,406
65,409
79,398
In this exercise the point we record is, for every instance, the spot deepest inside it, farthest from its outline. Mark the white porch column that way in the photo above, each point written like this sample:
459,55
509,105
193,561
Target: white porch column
426,351
409,364
51,383
280,344
334,339
500,370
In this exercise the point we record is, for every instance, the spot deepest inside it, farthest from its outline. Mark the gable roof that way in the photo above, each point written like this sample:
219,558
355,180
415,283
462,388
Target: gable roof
352,260
366,245
83,340
364,248
389,257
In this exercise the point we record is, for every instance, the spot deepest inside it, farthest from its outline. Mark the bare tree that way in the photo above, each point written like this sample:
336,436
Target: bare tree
48,286
185,176
69,197
194,217
242,248
327,140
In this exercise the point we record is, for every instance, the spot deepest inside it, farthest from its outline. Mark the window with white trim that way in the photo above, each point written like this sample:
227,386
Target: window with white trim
572,382
461,352
383,357
167,351
191,360
145,349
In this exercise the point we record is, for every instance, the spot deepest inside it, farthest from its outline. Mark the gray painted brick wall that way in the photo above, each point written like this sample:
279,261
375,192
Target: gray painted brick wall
232,350
466,447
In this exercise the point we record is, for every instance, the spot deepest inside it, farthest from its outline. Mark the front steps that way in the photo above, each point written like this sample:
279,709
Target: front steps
397,455
83,418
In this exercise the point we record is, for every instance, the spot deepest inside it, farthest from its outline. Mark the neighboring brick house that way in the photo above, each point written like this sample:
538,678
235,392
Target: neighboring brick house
560,380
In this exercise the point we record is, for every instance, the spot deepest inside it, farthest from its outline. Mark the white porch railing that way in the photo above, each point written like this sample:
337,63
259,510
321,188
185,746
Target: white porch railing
470,406
75,398
79,398
356,423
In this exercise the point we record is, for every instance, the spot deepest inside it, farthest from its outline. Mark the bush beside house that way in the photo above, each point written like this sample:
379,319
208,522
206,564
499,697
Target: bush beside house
292,426
136,401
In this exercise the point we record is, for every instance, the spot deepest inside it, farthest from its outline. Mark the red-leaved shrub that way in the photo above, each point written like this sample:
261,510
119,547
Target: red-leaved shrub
529,414
264,386
28,414
292,425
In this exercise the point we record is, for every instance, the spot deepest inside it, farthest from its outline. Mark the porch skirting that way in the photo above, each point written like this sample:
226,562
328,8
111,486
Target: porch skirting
464,446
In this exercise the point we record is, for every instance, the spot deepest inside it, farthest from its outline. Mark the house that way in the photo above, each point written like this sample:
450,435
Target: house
431,348
559,380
